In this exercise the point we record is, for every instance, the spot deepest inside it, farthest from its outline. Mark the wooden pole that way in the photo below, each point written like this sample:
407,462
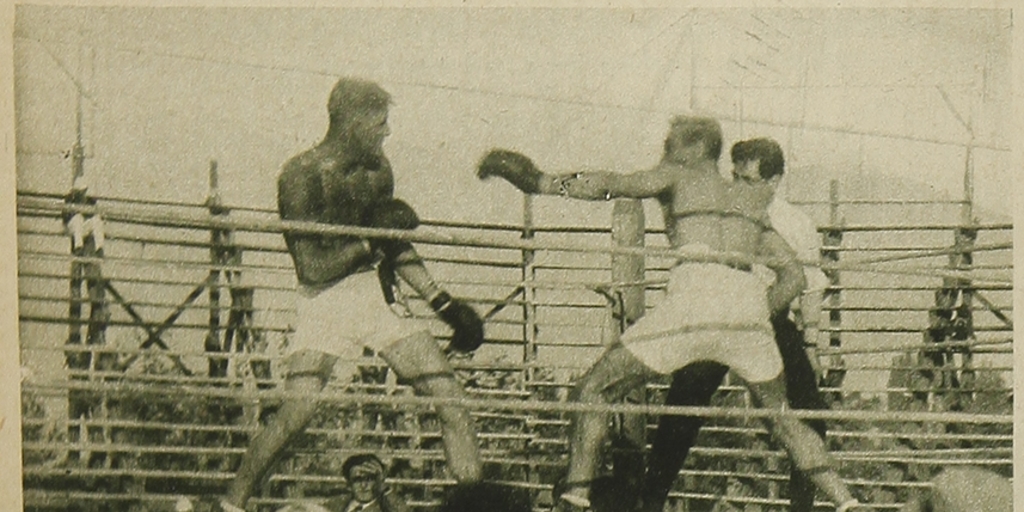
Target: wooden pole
951,318
218,366
627,307
833,239
76,360
86,231
77,195
78,401
628,231
965,237
529,273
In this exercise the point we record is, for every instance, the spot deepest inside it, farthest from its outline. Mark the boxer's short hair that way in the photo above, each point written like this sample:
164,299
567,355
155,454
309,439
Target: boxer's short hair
686,130
351,96
765,150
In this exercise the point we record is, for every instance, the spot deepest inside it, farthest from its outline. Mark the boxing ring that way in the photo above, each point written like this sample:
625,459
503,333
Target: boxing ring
152,354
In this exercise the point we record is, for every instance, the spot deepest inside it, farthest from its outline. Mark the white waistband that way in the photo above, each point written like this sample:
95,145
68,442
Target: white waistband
311,291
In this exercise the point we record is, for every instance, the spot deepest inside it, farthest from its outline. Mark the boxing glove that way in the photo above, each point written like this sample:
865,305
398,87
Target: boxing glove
467,327
514,167
391,214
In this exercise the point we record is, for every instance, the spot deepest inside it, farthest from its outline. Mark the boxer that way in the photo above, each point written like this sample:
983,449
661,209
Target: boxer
342,309
712,310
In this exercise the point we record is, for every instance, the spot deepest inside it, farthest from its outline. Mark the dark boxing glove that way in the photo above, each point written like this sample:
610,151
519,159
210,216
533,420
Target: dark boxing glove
391,214
467,327
514,167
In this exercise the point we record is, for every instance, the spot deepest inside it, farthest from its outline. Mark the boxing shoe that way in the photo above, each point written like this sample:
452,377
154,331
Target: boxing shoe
566,500
569,502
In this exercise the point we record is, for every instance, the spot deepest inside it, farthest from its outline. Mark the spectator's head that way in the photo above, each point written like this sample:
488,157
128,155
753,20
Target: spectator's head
964,489
365,476
486,497
758,160
691,139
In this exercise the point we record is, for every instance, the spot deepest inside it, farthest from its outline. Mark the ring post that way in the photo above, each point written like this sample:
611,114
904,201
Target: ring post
833,241
627,306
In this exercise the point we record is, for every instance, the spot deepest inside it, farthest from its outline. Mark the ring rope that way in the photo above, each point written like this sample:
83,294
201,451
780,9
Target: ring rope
383,388
144,379
145,262
915,252
483,392
331,396
286,329
529,422
494,454
990,226
937,272
915,347
496,303
296,477
207,221
949,251
144,280
153,304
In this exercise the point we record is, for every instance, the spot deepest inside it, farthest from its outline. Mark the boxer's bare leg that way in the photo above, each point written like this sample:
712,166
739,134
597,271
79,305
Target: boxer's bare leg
417,358
614,375
801,442
290,420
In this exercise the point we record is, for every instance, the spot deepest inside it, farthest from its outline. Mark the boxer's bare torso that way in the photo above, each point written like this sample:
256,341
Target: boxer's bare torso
702,208
326,187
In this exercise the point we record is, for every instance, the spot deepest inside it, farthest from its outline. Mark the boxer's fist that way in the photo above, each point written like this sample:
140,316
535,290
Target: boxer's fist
467,327
391,214
514,167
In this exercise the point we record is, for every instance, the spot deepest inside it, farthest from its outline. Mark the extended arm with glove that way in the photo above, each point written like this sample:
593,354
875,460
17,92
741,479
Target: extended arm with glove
515,168
521,172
